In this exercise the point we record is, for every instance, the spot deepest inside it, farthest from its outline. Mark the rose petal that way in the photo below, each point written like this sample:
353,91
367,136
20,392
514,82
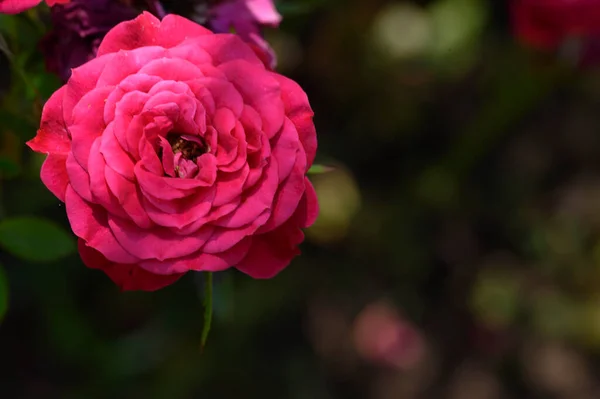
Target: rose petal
184,121
309,205
221,94
79,178
147,30
191,52
87,124
288,196
180,214
199,261
54,174
168,69
254,202
140,84
90,223
252,123
129,277
129,197
128,125
166,188
223,239
207,165
114,156
298,110
260,90
101,194
272,252
226,47
157,243
125,63
52,137
81,82
285,147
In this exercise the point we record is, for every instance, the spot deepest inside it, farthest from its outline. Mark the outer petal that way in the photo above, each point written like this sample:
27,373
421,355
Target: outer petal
272,252
52,137
226,47
54,174
288,196
78,178
147,30
126,63
260,90
89,223
129,277
199,261
284,147
82,81
223,239
157,243
87,123
309,205
298,110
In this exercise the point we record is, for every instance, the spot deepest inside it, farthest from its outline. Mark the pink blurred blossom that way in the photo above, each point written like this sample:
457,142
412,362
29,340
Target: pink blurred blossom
383,337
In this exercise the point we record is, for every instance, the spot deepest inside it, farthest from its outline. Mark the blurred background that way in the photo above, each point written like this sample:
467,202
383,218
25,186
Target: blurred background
457,252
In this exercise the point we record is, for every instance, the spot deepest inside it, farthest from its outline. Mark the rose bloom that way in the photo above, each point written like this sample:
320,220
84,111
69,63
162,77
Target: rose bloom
177,150
17,6
546,24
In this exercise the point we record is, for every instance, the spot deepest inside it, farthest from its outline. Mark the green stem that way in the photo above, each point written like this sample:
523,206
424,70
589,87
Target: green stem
208,309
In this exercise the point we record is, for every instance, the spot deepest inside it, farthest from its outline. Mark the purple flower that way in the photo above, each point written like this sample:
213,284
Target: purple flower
246,17
78,29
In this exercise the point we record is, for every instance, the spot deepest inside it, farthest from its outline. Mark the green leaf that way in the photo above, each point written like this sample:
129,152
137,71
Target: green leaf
208,309
35,239
319,169
3,294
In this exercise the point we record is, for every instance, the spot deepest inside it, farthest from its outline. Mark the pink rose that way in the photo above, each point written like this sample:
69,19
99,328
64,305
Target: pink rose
17,6
545,24
177,150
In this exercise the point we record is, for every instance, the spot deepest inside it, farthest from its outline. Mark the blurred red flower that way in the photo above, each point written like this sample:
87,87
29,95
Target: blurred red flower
546,24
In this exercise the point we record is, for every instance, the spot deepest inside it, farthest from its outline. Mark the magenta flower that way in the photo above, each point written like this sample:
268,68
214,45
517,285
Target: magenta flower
246,17
177,150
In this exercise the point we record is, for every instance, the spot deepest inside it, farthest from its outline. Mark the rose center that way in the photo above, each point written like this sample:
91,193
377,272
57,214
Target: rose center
190,147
